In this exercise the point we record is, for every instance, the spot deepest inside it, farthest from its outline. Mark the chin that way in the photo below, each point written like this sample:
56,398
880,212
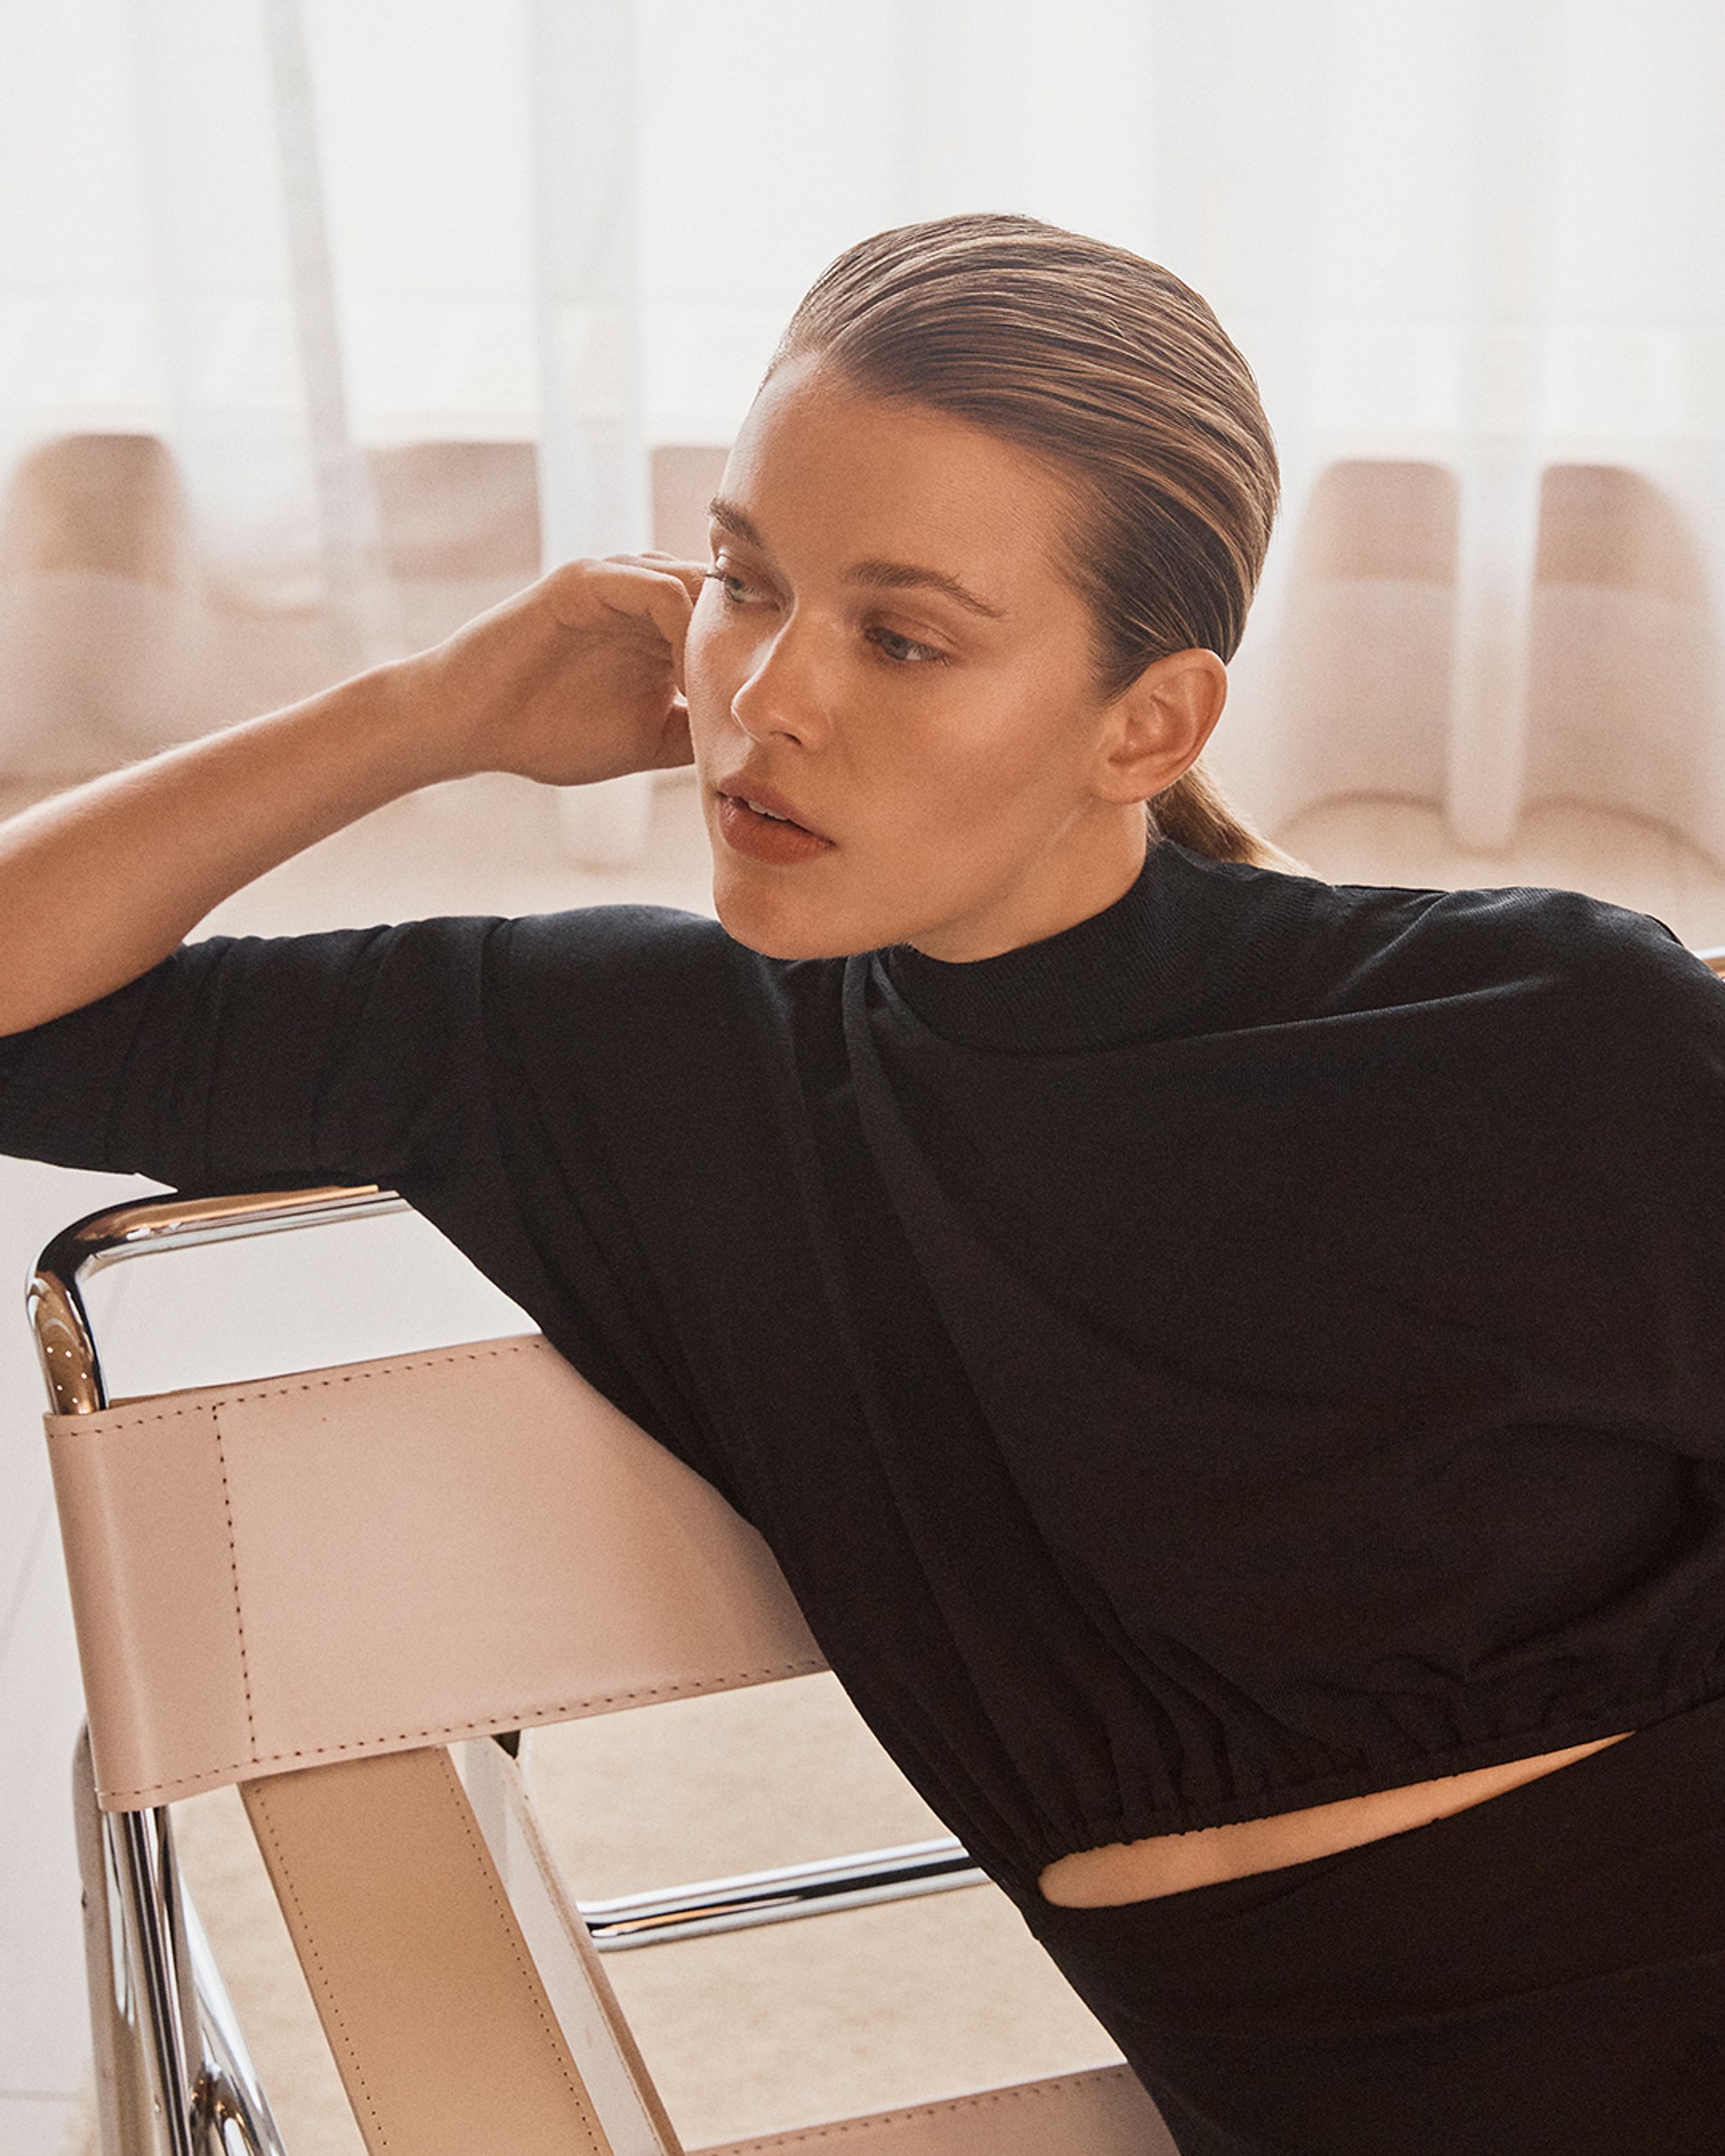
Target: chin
775,923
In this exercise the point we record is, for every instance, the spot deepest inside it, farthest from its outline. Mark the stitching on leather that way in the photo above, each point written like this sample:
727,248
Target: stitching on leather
523,1961
479,1352
525,1718
245,1674
394,1366
836,2129
326,1989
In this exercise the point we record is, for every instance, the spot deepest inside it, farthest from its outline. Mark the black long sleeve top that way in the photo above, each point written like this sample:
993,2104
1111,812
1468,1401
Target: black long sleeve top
1261,1346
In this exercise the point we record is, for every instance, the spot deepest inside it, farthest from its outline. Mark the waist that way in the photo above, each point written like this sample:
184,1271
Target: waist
1173,1863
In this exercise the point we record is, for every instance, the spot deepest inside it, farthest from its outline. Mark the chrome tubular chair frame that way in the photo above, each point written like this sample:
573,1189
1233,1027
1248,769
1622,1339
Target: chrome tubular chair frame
173,2077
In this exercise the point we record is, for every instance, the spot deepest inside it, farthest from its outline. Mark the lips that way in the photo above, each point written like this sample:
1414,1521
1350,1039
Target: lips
758,821
768,803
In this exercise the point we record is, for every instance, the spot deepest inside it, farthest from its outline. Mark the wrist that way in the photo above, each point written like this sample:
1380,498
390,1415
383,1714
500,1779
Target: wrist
411,739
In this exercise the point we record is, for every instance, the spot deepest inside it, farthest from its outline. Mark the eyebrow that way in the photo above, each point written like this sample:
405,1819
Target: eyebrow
878,575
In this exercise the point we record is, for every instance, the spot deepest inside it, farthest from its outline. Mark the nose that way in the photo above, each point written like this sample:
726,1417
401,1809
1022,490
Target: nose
782,699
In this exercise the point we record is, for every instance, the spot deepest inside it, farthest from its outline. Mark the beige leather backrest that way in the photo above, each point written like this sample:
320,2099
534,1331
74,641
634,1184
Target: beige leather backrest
388,1555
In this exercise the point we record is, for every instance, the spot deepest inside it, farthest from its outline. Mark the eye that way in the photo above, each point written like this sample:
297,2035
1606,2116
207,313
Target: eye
736,591
903,651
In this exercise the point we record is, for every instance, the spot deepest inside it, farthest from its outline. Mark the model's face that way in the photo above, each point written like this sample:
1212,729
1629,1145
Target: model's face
887,654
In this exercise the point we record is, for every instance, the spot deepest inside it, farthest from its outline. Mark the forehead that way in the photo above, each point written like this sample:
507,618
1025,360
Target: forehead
829,475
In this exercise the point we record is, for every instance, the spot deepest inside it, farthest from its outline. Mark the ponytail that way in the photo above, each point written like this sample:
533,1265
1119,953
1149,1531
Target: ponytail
1194,813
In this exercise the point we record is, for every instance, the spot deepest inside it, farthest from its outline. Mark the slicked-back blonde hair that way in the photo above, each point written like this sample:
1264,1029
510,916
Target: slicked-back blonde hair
1120,378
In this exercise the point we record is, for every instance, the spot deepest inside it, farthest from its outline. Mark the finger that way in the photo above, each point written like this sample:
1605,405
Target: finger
676,748
691,574
668,601
632,589
656,557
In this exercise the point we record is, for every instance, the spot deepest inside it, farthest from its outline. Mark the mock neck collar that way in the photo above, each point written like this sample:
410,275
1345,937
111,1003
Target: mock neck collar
1144,968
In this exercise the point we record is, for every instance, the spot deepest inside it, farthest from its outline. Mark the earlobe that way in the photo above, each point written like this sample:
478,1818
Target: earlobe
1160,724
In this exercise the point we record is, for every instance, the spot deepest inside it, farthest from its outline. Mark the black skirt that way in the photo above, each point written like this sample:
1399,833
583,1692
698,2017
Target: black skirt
1542,1974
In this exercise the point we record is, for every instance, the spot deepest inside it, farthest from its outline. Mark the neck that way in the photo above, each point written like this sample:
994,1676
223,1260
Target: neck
1070,884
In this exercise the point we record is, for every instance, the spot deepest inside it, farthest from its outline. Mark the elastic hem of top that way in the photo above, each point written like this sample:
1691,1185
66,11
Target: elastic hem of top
1365,1781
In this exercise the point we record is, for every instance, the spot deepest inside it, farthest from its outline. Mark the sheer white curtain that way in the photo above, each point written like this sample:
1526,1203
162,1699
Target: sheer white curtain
322,322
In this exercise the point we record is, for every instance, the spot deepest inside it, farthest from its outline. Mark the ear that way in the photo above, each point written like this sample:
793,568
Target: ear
1155,729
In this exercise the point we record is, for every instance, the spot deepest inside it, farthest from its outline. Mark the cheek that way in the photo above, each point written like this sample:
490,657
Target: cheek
946,757
1000,744
701,645
707,667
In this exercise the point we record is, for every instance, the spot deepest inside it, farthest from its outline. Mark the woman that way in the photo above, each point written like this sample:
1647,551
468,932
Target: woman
1225,1362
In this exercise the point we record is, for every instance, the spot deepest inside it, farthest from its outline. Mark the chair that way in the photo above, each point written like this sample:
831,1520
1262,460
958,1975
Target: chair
336,1589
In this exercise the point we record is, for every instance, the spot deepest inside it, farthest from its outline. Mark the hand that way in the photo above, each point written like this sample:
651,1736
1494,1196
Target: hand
579,678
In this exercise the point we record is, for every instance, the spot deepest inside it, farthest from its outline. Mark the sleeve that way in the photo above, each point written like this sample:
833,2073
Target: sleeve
498,1073
353,1056
1543,1204
1592,1148
1659,1157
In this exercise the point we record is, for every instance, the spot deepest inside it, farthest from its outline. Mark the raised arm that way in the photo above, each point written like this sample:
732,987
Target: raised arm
576,679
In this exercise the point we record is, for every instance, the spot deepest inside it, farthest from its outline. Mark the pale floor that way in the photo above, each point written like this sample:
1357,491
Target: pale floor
494,847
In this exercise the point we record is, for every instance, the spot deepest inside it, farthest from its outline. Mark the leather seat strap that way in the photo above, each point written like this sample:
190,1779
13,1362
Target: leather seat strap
443,2032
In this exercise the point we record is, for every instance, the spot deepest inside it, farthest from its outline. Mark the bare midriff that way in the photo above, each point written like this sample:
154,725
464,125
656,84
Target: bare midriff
1170,1863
